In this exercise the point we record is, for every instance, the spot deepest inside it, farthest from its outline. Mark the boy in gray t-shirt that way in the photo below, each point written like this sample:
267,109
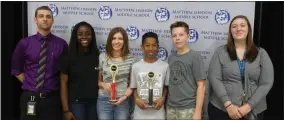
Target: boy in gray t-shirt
187,77
141,85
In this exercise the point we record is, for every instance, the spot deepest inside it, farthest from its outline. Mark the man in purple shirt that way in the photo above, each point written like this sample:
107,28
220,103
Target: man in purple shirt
35,62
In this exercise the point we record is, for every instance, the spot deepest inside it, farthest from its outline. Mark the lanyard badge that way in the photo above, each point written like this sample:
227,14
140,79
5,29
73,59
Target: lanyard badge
31,106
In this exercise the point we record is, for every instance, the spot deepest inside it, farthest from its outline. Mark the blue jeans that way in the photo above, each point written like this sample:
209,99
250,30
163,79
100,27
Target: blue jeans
84,111
108,111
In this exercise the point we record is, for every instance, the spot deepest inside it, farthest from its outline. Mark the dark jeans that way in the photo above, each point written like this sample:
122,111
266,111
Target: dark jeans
85,109
48,108
217,114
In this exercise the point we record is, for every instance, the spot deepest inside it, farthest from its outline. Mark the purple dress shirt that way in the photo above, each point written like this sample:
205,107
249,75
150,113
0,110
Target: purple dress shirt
25,60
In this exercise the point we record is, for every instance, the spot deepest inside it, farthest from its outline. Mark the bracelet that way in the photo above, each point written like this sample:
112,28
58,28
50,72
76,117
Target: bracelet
228,105
66,111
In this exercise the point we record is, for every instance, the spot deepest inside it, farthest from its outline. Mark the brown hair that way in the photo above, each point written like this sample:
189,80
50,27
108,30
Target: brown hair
251,52
109,48
180,24
43,8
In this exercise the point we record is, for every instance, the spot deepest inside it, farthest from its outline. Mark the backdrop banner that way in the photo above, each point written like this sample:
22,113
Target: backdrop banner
208,22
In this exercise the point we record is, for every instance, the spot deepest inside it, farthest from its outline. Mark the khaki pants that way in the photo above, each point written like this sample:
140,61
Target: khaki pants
179,114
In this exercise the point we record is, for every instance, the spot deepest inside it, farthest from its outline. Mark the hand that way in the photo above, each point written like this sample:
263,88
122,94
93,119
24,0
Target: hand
119,101
107,87
244,110
196,116
69,116
233,112
141,104
159,103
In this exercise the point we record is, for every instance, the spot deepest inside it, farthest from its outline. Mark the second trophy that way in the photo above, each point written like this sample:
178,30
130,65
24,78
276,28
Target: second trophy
151,82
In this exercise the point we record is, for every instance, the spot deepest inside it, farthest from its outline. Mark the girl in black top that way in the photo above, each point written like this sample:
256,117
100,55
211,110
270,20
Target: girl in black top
79,89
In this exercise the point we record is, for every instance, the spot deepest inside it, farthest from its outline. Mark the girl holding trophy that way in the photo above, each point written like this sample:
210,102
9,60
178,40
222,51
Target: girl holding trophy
114,77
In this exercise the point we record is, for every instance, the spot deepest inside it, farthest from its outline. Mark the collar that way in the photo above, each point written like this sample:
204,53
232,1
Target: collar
40,36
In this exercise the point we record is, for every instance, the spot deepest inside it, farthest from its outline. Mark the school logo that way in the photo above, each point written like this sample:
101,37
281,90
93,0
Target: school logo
162,14
222,17
102,47
193,36
54,9
132,32
105,12
162,53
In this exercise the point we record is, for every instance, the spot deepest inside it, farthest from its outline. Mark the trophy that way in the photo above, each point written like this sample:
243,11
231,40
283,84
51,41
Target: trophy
151,82
113,72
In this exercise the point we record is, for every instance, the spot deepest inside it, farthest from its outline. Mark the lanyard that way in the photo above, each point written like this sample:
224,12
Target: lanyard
241,65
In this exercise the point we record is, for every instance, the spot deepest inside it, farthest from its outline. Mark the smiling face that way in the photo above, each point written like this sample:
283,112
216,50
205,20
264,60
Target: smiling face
117,42
239,29
150,47
84,35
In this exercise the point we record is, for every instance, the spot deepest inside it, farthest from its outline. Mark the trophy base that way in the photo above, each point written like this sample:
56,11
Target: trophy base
113,101
150,106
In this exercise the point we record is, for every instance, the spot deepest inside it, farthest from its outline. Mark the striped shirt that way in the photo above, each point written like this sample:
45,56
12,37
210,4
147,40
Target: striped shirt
122,77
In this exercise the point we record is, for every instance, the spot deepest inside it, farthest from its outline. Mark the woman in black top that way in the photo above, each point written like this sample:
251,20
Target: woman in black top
79,89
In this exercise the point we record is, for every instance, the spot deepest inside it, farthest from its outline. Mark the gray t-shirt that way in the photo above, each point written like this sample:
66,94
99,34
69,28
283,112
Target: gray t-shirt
122,77
186,70
139,81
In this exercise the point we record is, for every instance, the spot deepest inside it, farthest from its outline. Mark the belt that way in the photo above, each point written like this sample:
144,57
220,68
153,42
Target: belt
42,95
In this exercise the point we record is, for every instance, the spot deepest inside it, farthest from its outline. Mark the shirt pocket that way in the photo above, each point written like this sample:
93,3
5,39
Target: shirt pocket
56,51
